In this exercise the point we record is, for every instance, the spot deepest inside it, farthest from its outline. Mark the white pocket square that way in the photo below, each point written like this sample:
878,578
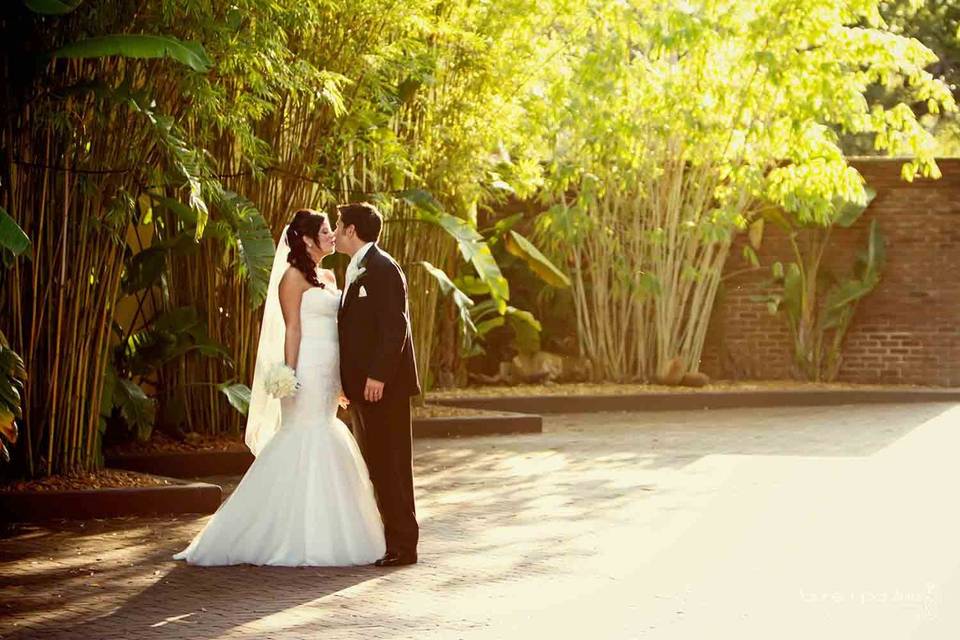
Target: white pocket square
362,293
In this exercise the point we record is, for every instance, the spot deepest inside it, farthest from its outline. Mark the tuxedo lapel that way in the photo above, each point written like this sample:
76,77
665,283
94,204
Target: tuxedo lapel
354,288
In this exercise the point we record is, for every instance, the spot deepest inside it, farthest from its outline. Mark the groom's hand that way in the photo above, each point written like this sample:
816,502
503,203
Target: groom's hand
373,391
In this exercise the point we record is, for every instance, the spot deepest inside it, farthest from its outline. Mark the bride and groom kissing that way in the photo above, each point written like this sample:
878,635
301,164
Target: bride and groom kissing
317,494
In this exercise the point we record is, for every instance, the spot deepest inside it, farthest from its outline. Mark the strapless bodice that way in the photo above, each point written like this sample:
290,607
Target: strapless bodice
318,313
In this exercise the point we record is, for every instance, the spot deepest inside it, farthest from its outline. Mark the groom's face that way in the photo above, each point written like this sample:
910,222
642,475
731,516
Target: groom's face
343,237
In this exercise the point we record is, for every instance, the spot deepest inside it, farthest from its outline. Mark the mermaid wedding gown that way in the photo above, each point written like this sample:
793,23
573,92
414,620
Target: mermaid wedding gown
307,500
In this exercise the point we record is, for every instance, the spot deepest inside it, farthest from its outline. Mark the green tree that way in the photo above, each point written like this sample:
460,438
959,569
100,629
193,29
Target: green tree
676,124
935,23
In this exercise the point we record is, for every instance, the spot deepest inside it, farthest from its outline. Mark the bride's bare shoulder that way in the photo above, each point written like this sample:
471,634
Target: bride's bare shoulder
293,280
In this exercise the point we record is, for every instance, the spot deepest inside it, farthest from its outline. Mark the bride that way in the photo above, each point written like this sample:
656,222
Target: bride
307,500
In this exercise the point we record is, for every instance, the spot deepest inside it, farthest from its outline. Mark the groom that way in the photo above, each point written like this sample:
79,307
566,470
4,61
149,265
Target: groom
378,371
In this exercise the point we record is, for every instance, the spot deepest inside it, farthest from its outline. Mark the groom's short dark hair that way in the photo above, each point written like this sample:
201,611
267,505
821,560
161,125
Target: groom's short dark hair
365,219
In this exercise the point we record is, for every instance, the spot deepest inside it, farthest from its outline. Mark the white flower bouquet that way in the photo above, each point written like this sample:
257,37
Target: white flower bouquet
281,381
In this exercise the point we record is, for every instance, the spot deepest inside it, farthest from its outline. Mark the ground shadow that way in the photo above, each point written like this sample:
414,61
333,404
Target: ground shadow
494,510
208,602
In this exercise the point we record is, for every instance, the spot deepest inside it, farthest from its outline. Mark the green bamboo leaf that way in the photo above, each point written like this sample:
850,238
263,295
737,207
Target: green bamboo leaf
139,46
522,248
52,7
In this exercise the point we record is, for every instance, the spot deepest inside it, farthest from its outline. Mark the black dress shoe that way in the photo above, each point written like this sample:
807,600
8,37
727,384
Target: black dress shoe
396,560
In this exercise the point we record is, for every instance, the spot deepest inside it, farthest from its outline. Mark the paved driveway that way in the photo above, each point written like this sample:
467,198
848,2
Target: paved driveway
838,522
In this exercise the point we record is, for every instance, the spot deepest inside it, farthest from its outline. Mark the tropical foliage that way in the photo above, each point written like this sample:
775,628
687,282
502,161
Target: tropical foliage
679,123
935,23
817,304
152,152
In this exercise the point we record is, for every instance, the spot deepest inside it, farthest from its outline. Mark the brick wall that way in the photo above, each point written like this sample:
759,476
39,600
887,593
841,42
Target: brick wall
906,331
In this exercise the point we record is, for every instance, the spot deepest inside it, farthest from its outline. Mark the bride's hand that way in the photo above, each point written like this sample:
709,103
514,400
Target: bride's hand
343,401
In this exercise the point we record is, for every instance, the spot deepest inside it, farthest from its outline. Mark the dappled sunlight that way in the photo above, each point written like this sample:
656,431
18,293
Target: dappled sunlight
517,524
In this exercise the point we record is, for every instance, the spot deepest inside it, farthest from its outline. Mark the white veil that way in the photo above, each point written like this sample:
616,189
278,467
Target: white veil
263,417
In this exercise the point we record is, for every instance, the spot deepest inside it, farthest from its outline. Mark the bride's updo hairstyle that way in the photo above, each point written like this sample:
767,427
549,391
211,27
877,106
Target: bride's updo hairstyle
306,223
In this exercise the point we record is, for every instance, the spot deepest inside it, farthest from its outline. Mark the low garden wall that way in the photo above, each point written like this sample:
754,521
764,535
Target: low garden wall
906,331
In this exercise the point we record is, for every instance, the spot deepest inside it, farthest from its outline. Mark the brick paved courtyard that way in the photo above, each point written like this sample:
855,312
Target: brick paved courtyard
833,522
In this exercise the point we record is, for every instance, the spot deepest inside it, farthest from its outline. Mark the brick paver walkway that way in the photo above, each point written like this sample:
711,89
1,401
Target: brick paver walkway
818,522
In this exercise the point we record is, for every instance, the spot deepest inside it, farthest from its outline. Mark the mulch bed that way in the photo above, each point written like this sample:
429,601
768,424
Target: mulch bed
580,398
162,443
105,479
438,411
613,389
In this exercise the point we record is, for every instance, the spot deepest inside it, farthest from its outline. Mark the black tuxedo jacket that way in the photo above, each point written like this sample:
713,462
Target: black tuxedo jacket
375,337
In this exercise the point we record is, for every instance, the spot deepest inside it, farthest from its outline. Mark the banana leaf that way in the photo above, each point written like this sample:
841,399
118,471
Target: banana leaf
522,248
13,241
471,244
460,299
526,329
488,325
792,293
137,409
172,335
524,317
139,46
253,240
238,395
841,300
472,285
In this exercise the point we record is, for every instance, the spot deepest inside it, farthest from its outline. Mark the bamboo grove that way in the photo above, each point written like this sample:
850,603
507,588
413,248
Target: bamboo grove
152,152
682,125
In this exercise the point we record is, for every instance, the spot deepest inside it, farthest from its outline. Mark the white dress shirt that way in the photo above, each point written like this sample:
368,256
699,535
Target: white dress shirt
353,267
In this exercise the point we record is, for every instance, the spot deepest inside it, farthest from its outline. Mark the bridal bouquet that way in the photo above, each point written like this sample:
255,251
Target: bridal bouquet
281,381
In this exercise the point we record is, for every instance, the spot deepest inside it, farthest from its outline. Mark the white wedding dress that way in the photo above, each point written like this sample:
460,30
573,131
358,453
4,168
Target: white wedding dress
307,500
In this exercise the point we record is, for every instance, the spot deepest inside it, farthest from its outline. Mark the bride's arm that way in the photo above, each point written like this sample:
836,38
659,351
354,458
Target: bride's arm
291,292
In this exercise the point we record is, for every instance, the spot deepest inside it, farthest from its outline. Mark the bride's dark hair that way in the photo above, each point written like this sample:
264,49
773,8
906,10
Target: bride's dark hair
306,223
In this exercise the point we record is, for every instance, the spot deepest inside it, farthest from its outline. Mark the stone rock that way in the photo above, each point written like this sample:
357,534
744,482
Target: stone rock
541,367
695,379
671,373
